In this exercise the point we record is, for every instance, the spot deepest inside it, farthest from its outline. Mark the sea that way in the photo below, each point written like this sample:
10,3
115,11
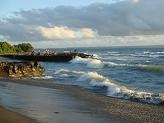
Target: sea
127,73
131,73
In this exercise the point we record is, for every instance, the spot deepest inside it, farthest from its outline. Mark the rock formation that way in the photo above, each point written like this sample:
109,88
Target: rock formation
20,69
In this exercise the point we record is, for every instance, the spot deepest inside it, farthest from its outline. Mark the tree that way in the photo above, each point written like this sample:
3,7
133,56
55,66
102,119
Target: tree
5,47
25,47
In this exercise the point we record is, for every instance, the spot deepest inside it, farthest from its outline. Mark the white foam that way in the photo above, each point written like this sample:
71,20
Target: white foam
61,71
64,75
66,71
92,76
162,52
99,80
152,53
96,56
43,77
116,90
111,63
112,52
148,61
91,63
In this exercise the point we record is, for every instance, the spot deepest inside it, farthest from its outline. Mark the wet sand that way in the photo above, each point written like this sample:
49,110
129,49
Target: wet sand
7,116
118,109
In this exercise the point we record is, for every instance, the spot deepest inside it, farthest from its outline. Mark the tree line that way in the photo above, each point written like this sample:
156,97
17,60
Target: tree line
6,47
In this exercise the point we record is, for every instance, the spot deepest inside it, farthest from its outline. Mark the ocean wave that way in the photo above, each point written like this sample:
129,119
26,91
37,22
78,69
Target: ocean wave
112,52
66,72
109,63
43,77
95,63
116,90
151,68
143,67
139,54
90,62
95,56
61,71
148,54
152,53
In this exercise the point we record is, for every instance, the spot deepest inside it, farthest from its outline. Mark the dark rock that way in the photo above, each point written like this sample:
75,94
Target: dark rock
161,103
58,57
56,112
20,69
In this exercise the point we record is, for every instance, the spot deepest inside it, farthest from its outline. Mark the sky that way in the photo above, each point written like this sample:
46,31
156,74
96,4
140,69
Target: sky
10,6
80,23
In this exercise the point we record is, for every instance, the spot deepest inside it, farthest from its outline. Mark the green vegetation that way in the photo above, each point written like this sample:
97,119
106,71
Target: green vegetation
5,47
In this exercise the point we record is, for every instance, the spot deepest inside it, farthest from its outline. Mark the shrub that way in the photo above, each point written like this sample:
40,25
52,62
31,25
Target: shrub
5,47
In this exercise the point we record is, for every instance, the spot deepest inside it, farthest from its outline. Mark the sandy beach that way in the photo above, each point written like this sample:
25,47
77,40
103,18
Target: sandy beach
112,108
7,116
82,61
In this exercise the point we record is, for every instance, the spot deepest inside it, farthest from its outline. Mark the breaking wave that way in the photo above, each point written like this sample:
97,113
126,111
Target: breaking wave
64,71
68,73
116,90
96,63
43,77
90,62
113,88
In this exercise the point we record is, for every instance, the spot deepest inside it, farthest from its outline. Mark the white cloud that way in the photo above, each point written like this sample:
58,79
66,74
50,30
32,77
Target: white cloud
56,32
104,41
136,1
61,32
87,33
122,18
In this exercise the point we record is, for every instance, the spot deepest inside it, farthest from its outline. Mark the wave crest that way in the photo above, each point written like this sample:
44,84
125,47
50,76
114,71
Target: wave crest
151,68
91,63
116,90
43,77
68,71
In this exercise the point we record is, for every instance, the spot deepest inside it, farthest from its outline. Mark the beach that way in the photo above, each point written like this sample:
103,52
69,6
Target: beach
7,116
82,61
105,108
118,85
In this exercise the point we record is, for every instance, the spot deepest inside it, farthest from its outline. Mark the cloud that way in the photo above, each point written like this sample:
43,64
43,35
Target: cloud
52,33
105,41
87,33
135,1
57,32
66,22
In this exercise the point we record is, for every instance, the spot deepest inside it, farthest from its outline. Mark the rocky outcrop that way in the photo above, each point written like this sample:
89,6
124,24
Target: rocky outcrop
57,57
20,69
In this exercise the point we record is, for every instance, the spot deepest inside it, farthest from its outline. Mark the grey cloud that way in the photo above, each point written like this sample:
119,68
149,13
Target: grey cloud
121,18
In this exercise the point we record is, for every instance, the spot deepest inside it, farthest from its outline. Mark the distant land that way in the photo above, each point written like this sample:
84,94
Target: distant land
138,46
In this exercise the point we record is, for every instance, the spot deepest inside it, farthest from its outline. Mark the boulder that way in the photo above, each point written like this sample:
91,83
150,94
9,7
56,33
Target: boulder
20,69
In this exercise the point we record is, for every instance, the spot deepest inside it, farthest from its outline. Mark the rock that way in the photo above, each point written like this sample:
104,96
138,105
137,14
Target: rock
161,103
20,69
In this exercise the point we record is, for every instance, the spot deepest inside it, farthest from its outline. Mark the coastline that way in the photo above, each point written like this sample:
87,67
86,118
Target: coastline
119,109
7,116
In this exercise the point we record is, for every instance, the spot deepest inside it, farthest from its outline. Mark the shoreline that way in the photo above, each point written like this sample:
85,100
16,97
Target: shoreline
7,116
119,109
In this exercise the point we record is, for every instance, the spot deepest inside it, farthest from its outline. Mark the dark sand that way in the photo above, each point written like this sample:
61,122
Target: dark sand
12,117
122,110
